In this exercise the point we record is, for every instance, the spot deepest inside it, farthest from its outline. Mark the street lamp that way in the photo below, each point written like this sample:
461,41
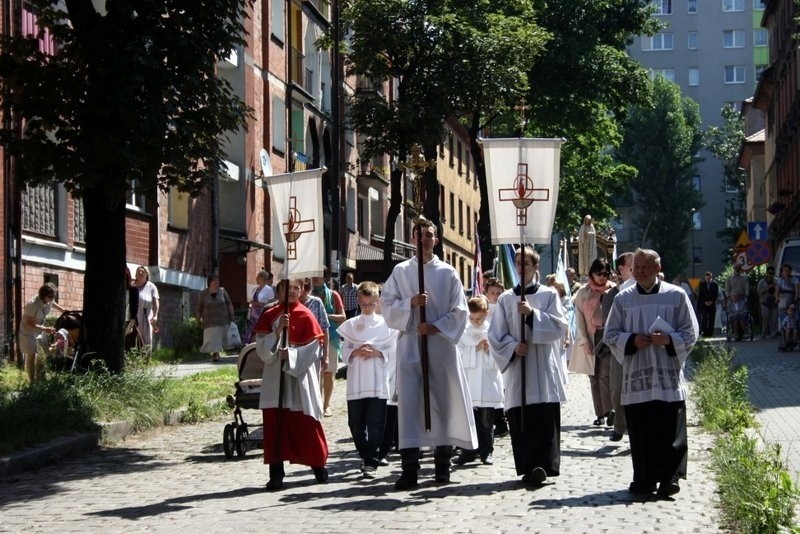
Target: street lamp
691,240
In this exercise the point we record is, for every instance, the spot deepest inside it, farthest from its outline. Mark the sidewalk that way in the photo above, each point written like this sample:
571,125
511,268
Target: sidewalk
178,480
775,393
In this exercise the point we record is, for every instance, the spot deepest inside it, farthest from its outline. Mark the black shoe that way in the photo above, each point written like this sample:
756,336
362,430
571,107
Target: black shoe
463,458
667,489
383,462
487,460
321,474
615,436
406,481
274,484
442,477
536,477
641,488
610,416
598,421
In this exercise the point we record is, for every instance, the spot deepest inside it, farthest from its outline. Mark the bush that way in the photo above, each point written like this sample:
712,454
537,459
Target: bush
187,336
758,494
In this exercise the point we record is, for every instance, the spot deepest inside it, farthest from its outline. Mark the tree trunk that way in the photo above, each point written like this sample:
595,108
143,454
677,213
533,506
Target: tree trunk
484,224
104,292
395,203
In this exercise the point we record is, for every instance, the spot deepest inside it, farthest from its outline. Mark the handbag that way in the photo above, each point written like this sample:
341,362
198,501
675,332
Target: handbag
233,340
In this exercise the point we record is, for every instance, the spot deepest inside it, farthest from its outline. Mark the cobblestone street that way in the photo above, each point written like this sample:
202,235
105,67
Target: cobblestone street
177,479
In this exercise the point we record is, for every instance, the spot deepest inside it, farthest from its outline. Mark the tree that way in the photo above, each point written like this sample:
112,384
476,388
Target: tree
725,142
661,142
128,101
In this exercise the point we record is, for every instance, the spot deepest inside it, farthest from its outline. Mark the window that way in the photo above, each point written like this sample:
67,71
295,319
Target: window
277,26
694,76
659,41
469,226
450,148
758,5
697,255
697,221
732,5
733,39
760,37
460,158
135,199
78,221
278,125
691,41
691,6
758,70
40,211
178,208
734,74
663,7
30,27
442,207
452,210
460,217
667,74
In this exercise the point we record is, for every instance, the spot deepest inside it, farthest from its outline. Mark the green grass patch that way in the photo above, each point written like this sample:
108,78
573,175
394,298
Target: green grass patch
756,493
61,403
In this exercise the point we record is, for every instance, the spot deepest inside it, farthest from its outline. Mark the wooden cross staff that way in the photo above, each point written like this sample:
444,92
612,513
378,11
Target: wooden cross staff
417,165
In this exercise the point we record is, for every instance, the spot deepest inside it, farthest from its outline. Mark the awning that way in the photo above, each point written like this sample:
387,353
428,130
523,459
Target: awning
241,239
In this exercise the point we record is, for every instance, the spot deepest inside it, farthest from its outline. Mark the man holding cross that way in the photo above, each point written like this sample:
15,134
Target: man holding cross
535,426
452,422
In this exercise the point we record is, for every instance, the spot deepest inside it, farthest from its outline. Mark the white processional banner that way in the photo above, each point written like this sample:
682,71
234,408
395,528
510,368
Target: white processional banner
296,200
522,178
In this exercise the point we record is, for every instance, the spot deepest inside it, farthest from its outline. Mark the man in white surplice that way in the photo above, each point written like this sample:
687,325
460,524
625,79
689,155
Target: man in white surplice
452,422
536,444
651,330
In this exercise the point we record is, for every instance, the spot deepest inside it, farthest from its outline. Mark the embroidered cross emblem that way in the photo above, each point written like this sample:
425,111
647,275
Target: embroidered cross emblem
294,228
523,194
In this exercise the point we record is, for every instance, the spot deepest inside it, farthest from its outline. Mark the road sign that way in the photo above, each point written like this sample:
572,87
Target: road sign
757,230
741,259
742,242
758,252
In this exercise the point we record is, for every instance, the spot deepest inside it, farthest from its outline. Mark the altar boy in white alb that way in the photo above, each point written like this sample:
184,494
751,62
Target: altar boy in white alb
368,348
537,444
484,379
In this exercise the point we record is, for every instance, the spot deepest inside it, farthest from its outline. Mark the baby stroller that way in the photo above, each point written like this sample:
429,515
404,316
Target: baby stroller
236,435
67,352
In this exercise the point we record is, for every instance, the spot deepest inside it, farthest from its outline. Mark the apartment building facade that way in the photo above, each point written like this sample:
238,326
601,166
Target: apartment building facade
715,51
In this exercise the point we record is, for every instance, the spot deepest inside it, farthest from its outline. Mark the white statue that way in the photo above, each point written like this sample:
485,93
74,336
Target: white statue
587,246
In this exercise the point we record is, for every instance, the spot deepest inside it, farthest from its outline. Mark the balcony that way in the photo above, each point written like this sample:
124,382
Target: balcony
371,86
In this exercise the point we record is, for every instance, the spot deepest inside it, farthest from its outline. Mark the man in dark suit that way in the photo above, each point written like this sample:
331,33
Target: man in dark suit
707,304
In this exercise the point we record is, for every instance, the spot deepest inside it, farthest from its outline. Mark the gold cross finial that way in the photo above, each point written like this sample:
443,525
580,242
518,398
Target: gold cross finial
416,165
522,107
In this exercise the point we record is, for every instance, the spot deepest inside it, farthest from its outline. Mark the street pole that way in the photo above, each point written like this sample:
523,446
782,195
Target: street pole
691,240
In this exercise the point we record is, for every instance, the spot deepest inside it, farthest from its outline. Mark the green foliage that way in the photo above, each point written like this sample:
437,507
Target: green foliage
60,403
187,336
758,495
725,143
661,142
720,390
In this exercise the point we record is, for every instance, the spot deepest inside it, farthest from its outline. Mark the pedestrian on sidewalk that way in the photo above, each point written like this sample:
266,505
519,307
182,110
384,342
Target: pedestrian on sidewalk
349,294
707,295
330,362
651,330
368,349
452,423
290,345
537,445
214,314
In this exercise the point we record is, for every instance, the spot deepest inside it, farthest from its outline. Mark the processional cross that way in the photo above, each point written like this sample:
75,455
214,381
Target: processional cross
295,227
